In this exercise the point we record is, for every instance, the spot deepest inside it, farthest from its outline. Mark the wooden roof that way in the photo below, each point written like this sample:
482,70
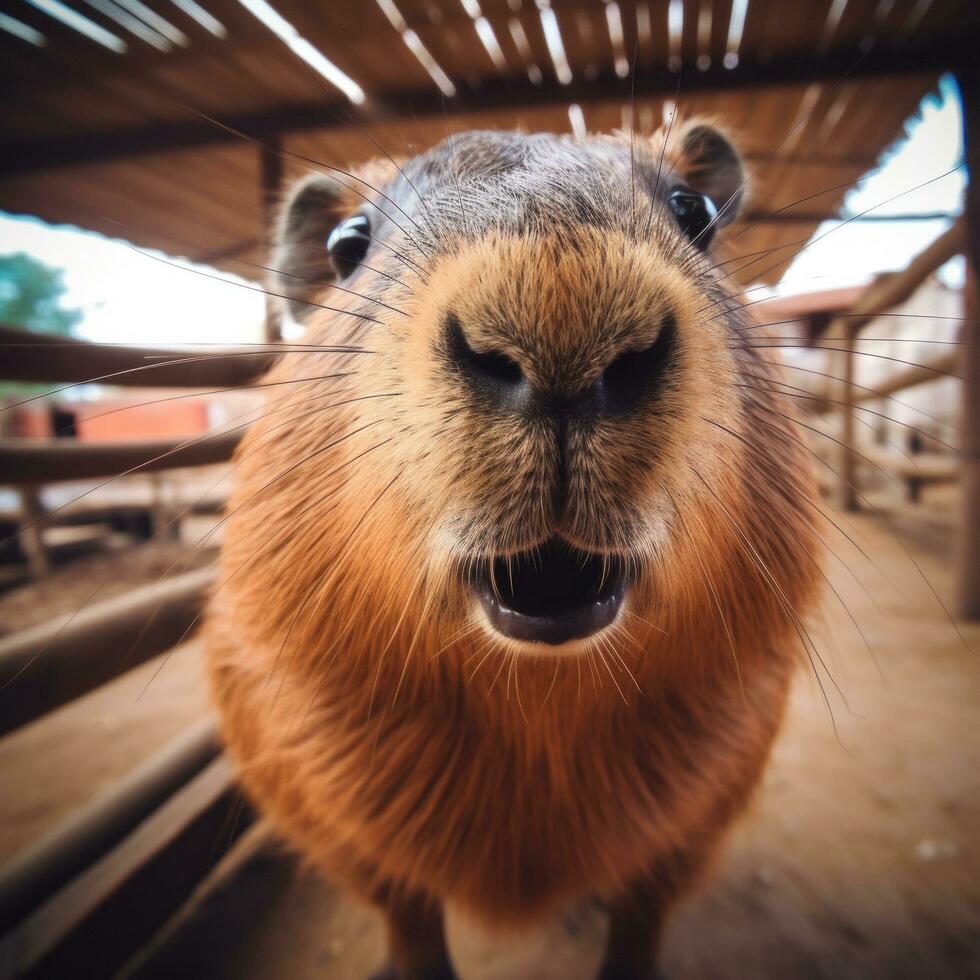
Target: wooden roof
134,143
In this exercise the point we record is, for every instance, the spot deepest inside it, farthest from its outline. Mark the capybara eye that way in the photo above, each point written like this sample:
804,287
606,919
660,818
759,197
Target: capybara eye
348,244
695,213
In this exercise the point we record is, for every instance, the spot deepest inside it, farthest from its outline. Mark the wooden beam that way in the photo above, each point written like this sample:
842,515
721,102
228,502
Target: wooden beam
885,292
33,519
934,369
914,467
892,288
968,557
28,158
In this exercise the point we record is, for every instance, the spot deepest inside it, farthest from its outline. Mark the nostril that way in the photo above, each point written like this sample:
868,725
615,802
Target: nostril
636,374
497,366
493,366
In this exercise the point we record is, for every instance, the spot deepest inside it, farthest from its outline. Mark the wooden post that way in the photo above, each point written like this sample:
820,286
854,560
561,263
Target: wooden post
848,437
32,532
270,181
968,80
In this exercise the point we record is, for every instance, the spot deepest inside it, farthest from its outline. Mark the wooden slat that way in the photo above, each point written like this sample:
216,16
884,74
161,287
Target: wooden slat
933,370
49,665
39,870
97,922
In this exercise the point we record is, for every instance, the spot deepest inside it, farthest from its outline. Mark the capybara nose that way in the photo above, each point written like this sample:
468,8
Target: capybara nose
636,376
627,382
493,375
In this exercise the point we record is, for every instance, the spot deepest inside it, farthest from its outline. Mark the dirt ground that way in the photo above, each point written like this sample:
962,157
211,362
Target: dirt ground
859,858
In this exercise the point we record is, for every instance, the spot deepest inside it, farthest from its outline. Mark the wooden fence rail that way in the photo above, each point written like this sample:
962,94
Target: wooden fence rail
63,360
102,917
29,462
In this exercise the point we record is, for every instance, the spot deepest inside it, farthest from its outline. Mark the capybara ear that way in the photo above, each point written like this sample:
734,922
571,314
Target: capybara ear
301,263
705,159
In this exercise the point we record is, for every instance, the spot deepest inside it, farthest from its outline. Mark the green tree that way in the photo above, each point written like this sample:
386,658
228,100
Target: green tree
31,294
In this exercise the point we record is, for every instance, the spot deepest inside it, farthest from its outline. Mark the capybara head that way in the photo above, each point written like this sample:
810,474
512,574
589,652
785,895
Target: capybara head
525,414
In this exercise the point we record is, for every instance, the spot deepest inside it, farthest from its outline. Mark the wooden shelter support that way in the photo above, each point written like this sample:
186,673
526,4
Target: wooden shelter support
968,80
270,174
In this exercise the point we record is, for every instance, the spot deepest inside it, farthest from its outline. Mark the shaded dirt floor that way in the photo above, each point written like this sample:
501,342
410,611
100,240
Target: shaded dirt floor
860,857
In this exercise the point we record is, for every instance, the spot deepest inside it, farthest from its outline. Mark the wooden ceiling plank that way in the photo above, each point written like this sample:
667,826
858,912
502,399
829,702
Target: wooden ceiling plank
501,94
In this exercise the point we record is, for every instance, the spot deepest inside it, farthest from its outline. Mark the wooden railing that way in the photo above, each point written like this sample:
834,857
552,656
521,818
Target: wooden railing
847,399
844,396
28,464
85,897
883,294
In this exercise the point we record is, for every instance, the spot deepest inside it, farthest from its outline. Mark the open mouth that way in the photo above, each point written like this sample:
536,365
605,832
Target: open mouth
551,594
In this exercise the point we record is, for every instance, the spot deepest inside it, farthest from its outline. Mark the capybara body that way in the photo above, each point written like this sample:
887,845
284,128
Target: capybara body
514,573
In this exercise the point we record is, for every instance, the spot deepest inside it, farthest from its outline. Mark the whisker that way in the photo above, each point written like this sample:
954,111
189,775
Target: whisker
225,582
717,601
199,545
328,284
660,162
769,157
219,391
884,313
791,391
854,217
857,547
600,651
114,374
359,125
265,244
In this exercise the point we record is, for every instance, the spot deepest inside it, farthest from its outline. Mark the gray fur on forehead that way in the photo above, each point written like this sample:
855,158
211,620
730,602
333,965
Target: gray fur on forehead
508,181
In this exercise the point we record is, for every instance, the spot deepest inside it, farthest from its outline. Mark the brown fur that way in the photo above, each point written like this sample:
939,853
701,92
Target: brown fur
385,733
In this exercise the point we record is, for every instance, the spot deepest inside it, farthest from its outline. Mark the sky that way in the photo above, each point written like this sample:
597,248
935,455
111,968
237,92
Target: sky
129,297
848,254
